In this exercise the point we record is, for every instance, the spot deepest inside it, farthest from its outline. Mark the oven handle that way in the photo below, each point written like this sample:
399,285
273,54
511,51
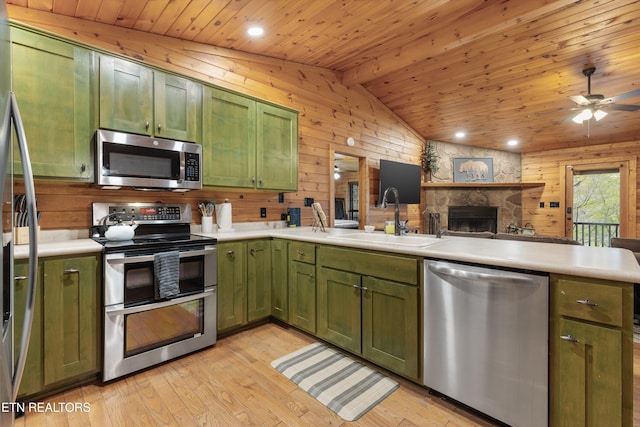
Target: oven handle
149,258
118,309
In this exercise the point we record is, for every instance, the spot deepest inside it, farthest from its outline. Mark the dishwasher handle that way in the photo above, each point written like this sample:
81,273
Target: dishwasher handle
503,278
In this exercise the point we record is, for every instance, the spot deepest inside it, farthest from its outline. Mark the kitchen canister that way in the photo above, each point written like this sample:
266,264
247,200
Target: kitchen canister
207,224
223,217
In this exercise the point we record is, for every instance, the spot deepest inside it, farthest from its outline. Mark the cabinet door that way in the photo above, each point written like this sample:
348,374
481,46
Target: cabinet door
302,295
126,96
258,279
279,282
390,325
32,376
277,167
231,285
53,86
589,371
229,139
177,107
70,302
339,308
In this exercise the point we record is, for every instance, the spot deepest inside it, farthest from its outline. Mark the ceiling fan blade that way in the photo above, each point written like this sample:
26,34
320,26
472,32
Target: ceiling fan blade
622,96
579,99
623,107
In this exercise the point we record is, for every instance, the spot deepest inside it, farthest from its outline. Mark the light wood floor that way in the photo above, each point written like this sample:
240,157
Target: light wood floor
233,384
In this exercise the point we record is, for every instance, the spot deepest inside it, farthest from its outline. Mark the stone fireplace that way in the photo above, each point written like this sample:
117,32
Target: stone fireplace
506,201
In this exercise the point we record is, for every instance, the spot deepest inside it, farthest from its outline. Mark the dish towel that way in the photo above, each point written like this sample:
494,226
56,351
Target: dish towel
166,267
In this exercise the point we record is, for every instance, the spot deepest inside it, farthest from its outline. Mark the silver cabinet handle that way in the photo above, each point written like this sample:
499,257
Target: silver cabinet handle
71,271
159,127
587,302
355,286
252,251
300,252
364,288
20,278
310,274
253,179
146,125
568,338
230,252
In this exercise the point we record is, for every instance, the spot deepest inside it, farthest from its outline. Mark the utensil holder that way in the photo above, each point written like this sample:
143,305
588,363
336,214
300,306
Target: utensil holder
21,235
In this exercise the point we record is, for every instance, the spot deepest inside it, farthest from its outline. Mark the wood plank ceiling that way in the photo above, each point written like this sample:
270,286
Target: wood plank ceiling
496,69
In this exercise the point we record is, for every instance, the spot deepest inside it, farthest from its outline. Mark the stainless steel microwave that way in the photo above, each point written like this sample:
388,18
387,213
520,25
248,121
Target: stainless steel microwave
144,162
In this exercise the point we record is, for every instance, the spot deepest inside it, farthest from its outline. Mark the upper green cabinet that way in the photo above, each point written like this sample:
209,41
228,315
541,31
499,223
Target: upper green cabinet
53,84
248,144
135,98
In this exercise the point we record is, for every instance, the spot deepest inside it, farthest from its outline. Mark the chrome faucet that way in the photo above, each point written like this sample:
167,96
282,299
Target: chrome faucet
396,196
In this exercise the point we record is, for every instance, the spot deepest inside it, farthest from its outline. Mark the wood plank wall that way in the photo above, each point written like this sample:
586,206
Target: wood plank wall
548,166
329,112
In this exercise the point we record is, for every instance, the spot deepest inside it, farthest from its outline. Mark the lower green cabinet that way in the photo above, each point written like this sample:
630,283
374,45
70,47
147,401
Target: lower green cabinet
65,336
258,279
591,340
279,280
377,317
244,282
231,285
302,286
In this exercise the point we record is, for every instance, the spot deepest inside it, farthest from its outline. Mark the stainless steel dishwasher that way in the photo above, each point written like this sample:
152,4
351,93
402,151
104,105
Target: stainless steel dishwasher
486,340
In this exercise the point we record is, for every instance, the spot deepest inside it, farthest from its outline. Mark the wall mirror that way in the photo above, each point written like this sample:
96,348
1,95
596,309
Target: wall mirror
349,191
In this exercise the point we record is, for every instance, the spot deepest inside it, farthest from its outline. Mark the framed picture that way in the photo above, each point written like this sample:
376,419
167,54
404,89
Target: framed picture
472,169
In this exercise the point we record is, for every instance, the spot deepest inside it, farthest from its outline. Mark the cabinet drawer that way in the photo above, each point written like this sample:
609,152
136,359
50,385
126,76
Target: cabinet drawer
375,264
596,302
303,252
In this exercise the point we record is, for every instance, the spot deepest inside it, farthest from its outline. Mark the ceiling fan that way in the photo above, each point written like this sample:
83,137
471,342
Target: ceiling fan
594,105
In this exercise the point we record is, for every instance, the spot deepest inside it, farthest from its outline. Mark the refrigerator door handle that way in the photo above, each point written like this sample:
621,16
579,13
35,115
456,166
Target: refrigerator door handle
33,243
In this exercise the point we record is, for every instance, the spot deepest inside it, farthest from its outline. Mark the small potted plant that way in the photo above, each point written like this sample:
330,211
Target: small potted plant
430,159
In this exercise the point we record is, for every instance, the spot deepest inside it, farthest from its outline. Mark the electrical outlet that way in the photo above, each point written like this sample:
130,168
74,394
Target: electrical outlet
308,201
542,204
554,204
280,197
263,212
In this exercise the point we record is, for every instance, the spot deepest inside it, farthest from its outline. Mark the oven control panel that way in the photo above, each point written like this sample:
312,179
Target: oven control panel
142,212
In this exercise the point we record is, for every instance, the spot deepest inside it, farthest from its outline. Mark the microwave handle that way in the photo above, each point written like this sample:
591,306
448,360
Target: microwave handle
150,258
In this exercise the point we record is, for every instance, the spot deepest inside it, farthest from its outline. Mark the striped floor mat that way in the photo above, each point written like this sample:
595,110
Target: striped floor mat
346,387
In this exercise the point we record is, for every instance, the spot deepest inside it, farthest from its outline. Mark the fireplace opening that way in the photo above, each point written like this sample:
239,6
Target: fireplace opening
473,218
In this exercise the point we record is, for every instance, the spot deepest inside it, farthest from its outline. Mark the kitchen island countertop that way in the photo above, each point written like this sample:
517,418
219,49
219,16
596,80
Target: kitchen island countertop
584,261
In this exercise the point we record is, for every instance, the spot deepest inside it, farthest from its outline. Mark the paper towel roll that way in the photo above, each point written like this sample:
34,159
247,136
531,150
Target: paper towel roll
223,217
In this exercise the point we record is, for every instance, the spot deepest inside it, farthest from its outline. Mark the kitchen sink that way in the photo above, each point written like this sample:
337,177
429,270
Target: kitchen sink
413,240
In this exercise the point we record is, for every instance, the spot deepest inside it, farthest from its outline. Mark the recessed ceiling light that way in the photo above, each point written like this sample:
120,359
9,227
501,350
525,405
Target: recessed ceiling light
460,134
512,142
255,31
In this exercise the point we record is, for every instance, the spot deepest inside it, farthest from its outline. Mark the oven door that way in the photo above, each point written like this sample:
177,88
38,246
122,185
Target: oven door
139,331
142,336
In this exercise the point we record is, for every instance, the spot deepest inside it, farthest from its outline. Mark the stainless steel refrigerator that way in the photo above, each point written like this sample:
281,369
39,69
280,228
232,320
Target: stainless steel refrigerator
12,138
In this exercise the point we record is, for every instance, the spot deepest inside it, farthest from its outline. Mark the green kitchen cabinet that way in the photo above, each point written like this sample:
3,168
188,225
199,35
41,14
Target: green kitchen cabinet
248,144
32,376
231,285
277,157
302,286
70,317
138,99
368,304
279,280
56,91
65,338
244,282
591,367
258,279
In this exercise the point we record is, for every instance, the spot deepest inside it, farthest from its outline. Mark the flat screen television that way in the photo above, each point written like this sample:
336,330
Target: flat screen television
404,177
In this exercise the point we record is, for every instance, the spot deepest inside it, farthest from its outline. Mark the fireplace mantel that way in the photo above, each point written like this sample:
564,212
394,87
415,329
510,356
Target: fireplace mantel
481,184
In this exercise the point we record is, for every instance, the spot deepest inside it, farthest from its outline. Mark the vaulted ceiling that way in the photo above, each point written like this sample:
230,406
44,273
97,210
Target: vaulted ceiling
495,69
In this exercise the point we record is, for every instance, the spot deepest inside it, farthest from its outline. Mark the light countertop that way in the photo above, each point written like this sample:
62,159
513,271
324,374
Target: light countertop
585,261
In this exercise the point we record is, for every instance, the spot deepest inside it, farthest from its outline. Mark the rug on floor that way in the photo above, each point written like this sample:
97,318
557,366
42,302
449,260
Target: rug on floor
343,385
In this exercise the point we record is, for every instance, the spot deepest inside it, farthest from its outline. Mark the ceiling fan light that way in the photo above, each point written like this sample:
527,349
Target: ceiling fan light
599,114
586,114
578,119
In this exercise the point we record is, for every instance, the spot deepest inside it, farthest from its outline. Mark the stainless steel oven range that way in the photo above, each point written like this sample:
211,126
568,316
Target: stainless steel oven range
159,286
